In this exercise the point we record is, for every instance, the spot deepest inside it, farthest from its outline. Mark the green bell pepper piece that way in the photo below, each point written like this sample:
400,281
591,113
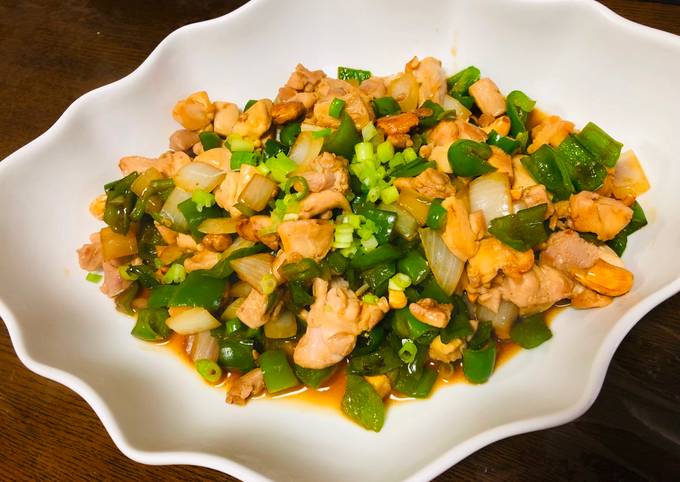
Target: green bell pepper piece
600,144
342,141
150,325
314,378
530,332
584,171
549,169
415,266
362,403
522,230
478,365
638,221
469,158
518,105
278,375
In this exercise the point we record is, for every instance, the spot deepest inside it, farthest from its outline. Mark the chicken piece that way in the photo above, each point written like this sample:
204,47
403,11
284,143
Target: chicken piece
216,242
97,206
552,130
478,224
226,118
398,123
304,80
501,125
310,238
469,131
227,194
283,258
253,311
249,385
592,213
357,103
380,383
371,314
138,164
487,97
186,242
374,87
287,94
205,259
522,179
494,256
259,229
218,157
533,292
431,183
431,313
331,325
584,298
283,112
320,202
326,171
535,196
566,250
255,121
445,352
171,162
195,112
90,255
183,140
168,235
430,77
458,234
501,160
113,284
444,133
605,278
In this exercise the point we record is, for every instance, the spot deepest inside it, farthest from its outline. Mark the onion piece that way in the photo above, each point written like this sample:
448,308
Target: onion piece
406,225
418,206
198,175
404,89
257,193
238,243
204,346
241,289
503,320
193,320
231,310
446,267
490,194
284,326
115,245
219,225
305,148
171,212
450,103
629,177
253,269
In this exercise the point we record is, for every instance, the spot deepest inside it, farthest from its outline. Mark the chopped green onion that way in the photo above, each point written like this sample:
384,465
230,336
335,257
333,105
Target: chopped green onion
436,215
210,140
280,166
321,133
343,236
410,154
352,219
389,195
242,157
368,131
469,158
292,182
369,244
399,282
209,370
268,284
385,151
370,299
522,230
175,274
202,199
397,160
408,351
348,73
289,133
364,151
93,277
600,144
263,169
239,144
411,169
336,107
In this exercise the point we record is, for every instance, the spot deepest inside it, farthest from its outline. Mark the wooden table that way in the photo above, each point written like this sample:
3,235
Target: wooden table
53,52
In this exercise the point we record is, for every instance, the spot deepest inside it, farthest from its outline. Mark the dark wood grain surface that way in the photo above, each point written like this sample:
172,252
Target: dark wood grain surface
52,52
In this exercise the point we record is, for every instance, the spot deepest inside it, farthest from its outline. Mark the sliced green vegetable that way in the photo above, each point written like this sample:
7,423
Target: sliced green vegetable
198,289
412,168
237,354
299,295
436,215
337,263
343,140
378,276
549,169
210,140
378,362
585,172
530,332
416,384
638,221
94,277
369,341
150,325
523,230
119,203
304,270
384,221
481,336
314,378
431,289
459,327
381,254
408,351
242,157
336,107
600,144
478,365
272,148
289,133
518,105
508,144
383,106
468,158
278,375
460,83
124,299
438,113
195,217
349,73
209,370
415,266
362,403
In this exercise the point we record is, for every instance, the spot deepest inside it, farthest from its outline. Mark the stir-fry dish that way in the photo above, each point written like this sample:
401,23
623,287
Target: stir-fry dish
391,229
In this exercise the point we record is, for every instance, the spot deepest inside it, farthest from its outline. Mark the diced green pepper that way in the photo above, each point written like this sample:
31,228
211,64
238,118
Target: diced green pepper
278,375
584,171
431,289
412,168
314,378
638,221
600,144
381,254
369,341
150,325
304,270
124,299
383,360
362,403
478,365
469,158
289,133
416,385
199,289
237,353
272,148
508,144
383,106
378,276
415,266
343,140
119,203
530,332
210,140
337,263
459,83
522,230
349,73
384,221
518,105
481,336
549,169
459,327
433,119
436,215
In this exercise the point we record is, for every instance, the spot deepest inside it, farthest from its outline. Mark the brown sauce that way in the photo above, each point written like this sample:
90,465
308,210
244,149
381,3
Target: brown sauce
330,395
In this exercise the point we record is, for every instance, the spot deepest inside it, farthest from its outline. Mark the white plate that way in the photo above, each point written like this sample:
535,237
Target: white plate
576,58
